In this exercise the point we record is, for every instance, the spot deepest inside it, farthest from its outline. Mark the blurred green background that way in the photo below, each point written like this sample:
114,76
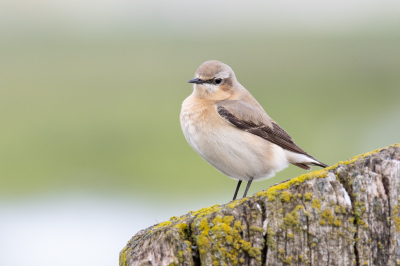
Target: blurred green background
90,96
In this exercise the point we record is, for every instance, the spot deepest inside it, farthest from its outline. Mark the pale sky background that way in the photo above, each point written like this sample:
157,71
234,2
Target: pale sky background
190,16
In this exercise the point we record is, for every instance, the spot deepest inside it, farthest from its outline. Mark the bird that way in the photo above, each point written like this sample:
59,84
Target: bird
229,129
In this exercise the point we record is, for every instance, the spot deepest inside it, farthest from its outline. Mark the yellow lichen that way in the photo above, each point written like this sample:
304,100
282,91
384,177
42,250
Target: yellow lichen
337,223
224,241
358,157
396,217
183,229
180,256
166,223
308,196
270,238
272,192
235,203
204,211
257,229
287,260
327,216
122,259
285,196
291,219
316,204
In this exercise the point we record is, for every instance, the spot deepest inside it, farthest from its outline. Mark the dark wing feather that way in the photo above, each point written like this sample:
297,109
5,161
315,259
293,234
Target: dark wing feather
274,134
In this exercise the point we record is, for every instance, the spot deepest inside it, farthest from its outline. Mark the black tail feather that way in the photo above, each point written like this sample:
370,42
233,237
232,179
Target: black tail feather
321,164
303,166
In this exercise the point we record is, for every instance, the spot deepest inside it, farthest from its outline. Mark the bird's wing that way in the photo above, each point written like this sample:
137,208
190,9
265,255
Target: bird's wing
257,122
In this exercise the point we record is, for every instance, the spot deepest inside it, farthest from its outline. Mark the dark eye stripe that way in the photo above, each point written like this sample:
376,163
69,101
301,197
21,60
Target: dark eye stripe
212,81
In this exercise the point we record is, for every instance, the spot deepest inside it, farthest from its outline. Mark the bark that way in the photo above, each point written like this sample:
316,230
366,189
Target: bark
347,214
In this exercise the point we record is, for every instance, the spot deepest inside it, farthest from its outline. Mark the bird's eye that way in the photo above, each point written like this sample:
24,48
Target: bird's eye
218,81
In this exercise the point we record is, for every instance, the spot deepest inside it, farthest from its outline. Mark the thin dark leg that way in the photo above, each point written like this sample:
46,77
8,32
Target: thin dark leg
237,189
247,188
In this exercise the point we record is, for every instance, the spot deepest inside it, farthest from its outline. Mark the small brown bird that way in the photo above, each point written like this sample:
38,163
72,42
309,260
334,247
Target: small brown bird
225,124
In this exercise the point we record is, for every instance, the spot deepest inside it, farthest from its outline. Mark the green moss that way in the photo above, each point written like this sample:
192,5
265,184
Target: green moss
316,204
308,196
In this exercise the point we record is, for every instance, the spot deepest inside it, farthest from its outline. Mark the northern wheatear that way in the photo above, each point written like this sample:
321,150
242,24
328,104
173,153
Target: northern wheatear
225,124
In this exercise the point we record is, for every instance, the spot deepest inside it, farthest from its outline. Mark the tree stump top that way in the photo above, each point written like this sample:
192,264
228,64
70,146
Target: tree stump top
346,214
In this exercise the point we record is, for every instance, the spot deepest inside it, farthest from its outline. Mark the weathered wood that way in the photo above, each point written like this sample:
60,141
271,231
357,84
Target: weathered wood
347,214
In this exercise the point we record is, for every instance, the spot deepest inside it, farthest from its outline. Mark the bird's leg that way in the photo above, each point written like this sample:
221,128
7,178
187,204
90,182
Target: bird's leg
247,188
237,189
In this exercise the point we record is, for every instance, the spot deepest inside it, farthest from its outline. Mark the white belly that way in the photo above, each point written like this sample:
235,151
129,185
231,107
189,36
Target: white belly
235,153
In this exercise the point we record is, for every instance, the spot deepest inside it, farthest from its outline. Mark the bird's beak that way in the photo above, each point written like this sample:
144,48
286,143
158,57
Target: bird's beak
196,81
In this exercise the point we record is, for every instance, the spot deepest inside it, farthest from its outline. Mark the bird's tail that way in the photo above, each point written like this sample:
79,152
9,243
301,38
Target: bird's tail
303,166
321,164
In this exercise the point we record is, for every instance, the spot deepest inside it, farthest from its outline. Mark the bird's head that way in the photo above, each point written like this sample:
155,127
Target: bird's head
214,80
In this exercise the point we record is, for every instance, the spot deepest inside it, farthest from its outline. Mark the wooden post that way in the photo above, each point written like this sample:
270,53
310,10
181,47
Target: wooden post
347,214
